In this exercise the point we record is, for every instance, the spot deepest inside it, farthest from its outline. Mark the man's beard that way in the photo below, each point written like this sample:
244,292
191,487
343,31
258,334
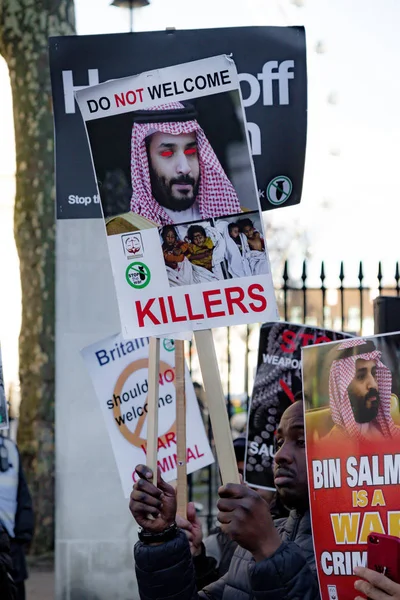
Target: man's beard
364,411
162,191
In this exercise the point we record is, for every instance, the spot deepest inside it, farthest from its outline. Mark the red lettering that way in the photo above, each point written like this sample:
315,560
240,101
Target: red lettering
135,476
209,303
288,338
161,444
139,91
175,318
190,455
322,339
164,315
164,465
262,299
131,94
170,438
169,375
306,338
143,447
198,454
192,316
230,300
119,100
146,312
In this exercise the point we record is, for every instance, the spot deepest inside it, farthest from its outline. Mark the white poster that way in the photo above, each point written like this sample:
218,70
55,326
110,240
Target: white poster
119,371
191,252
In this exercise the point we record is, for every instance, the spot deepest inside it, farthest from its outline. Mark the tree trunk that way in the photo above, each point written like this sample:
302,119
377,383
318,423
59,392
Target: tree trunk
25,26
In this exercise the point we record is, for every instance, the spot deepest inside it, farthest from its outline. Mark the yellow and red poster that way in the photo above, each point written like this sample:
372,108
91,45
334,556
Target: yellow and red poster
351,392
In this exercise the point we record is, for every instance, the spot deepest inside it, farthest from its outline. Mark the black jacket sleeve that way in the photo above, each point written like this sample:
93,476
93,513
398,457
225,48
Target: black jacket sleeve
7,586
284,576
166,571
24,518
206,569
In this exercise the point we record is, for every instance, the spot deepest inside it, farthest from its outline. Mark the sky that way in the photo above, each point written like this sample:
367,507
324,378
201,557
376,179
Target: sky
349,205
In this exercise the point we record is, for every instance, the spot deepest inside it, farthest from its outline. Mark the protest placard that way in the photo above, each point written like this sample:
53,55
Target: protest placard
277,384
190,254
351,392
119,371
272,70
3,400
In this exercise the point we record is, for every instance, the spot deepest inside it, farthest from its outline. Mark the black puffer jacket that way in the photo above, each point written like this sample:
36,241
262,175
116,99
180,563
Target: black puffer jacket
166,571
8,590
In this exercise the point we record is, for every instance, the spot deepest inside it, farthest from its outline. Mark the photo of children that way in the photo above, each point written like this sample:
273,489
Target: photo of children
193,253
223,248
244,245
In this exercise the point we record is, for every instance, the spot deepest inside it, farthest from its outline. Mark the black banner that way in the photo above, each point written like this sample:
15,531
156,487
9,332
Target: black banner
277,385
271,62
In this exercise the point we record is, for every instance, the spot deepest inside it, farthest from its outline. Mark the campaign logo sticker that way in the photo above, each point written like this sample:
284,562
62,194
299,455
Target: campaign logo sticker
332,591
279,190
138,275
169,345
133,245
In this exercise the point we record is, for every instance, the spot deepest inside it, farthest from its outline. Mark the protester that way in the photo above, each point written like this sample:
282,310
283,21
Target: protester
16,512
376,585
360,387
176,175
277,560
7,585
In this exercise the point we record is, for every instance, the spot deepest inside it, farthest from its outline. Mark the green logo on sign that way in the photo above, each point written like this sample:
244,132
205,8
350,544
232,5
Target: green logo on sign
279,190
169,345
138,275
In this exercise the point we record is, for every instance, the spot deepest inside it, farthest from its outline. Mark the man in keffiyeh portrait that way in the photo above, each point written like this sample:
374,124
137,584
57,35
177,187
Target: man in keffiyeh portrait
176,175
360,393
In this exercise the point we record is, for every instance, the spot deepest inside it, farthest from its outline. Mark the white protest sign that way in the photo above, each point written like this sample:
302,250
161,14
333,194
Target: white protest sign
189,251
119,371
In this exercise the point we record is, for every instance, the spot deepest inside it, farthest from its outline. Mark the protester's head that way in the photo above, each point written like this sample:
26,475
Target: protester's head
169,236
360,387
239,446
290,467
174,169
173,166
246,226
197,234
233,230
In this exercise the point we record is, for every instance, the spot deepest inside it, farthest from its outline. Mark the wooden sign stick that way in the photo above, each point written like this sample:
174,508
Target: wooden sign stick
181,490
217,406
152,406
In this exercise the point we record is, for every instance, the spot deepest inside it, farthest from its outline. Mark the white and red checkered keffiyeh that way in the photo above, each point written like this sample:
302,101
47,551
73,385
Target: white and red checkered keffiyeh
342,374
216,195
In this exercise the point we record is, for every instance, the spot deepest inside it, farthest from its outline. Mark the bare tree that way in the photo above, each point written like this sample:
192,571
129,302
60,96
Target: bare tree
25,26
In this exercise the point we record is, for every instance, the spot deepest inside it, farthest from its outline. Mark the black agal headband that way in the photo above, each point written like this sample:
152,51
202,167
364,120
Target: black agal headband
172,115
366,348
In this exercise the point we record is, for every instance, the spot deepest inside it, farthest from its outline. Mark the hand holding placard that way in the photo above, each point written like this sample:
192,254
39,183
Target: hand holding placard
153,506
